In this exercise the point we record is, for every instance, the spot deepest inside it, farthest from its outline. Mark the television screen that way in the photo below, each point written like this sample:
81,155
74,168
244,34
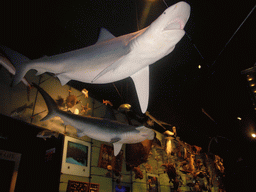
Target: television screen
77,154
76,157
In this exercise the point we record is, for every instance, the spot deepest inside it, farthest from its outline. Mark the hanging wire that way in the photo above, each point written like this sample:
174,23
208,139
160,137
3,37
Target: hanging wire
165,3
195,46
138,28
231,39
118,92
33,110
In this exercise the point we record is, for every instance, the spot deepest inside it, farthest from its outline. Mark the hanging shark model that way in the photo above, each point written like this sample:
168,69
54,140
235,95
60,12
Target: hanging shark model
114,58
98,128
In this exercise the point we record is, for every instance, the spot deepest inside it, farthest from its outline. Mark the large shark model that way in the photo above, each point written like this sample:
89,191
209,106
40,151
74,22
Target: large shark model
115,58
98,128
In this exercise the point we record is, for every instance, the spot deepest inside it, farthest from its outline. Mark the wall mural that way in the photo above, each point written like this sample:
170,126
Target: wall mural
186,166
108,161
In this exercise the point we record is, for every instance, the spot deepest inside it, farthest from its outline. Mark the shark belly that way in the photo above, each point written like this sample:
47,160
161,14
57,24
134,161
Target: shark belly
85,64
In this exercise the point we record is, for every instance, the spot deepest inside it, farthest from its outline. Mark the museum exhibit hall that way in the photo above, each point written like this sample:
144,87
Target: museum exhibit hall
127,96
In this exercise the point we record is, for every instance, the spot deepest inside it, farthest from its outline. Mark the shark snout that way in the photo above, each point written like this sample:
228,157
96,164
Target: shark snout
177,15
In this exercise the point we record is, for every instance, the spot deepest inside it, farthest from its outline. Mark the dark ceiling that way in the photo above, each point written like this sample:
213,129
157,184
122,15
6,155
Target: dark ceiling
220,37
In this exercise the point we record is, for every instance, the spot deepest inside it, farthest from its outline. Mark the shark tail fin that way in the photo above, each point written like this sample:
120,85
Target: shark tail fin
19,61
52,106
21,71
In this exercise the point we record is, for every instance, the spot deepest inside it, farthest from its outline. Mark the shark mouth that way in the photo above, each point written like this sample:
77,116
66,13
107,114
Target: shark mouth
175,24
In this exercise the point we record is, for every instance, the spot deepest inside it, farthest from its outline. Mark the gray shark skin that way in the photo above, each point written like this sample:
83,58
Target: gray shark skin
98,128
115,58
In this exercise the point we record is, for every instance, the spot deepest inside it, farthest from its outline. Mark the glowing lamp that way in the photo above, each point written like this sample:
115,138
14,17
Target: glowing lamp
168,145
76,111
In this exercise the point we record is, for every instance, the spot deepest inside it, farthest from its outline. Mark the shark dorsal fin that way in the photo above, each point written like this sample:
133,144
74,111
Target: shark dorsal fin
104,35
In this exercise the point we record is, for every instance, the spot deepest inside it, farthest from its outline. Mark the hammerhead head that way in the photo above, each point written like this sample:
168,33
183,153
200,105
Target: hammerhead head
115,58
98,128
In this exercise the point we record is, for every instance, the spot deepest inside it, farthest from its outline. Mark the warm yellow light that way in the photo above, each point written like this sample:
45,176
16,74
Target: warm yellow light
254,91
168,146
252,85
239,118
253,135
76,111
85,92
250,79
199,66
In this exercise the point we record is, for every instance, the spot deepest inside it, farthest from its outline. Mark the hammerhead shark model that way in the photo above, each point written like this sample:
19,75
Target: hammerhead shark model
114,58
98,128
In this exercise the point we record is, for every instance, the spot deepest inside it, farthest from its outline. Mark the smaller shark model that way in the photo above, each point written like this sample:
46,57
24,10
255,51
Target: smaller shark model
98,128
115,58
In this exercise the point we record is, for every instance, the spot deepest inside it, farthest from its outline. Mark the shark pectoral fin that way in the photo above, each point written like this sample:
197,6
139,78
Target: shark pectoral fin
40,71
117,148
141,81
114,140
80,133
113,66
63,79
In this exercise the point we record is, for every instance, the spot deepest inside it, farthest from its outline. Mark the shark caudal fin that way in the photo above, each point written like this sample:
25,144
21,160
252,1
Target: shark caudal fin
51,104
21,71
18,61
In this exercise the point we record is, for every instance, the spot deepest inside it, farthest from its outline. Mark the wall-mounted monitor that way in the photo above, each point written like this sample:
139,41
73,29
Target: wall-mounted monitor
76,157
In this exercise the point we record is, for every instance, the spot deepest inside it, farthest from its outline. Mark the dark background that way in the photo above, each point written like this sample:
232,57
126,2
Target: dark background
220,37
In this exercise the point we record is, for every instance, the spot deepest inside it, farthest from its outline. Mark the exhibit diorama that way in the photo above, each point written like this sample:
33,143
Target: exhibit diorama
83,119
